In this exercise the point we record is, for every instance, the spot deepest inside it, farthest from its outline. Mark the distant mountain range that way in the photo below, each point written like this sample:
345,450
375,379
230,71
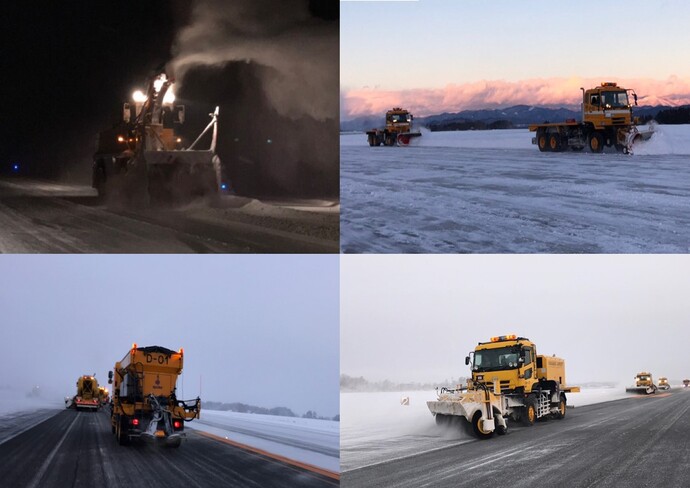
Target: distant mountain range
518,116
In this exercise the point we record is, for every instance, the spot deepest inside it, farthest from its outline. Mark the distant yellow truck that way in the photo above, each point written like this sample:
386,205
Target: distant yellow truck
643,384
144,400
87,394
398,130
509,380
663,383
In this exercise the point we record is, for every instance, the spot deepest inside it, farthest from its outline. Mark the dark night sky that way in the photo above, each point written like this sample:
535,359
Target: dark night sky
68,66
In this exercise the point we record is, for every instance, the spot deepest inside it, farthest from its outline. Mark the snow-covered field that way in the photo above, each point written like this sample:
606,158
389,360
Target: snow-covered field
311,441
375,427
493,191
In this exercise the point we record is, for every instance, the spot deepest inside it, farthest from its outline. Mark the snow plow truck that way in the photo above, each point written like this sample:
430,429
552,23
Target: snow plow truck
643,384
144,401
607,120
509,381
142,160
663,383
87,397
398,129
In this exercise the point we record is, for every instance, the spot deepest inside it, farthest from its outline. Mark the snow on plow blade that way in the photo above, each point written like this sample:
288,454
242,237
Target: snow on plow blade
444,407
635,136
403,139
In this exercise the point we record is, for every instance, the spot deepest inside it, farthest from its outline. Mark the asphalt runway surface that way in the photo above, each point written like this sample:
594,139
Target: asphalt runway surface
77,449
45,217
638,441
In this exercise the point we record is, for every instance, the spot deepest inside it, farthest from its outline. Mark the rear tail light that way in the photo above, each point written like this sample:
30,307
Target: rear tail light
135,421
177,424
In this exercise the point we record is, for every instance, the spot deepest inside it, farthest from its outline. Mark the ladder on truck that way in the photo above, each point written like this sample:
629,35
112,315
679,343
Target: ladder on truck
543,404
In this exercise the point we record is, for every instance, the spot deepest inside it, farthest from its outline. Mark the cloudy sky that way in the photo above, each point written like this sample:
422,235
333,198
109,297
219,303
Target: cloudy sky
442,55
255,329
415,317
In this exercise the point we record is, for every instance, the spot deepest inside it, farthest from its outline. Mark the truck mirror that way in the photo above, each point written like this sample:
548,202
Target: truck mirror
467,360
110,377
126,112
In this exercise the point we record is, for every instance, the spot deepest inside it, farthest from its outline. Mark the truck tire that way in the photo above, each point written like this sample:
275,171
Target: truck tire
121,433
529,414
476,426
372,140
542,141
596,142
561,408
555,143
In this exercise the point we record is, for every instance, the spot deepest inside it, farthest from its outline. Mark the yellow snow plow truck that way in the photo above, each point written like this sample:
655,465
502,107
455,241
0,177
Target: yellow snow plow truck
509,381
144,401
643,384
663,383
398,129
142,159
607,120
87,394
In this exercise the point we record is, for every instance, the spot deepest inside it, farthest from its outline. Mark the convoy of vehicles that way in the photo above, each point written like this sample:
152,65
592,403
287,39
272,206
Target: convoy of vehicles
509,381
398,130
144,399
607,120
142,159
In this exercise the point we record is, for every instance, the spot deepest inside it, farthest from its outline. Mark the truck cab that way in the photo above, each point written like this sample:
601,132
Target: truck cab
607,105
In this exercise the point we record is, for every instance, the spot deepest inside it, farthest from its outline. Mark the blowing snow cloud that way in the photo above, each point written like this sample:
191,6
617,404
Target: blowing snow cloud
284,36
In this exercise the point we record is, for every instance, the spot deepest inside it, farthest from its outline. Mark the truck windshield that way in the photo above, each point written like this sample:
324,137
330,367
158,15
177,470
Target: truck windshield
399,118
496,359
615,99
643,378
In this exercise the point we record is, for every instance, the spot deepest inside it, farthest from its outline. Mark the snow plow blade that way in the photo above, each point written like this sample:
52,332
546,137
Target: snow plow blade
404,138
641,390
179,176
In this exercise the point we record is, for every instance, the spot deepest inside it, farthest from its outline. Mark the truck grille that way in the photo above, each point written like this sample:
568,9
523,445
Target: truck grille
618,120
503,385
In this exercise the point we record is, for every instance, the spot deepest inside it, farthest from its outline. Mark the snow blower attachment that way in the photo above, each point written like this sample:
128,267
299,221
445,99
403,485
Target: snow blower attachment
644,384
607,120
509,380
144,402
398,130
143,160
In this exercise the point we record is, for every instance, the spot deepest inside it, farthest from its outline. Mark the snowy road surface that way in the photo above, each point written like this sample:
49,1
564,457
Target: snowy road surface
77,449
634,441
311,441
46,217
494,192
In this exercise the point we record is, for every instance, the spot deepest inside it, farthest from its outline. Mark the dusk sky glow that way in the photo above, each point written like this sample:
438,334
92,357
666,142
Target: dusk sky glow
434,55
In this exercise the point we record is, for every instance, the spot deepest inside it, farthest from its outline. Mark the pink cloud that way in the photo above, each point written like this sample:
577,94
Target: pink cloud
494,94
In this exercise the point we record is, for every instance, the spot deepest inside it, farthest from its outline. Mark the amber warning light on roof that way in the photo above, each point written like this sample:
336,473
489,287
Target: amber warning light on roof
510,337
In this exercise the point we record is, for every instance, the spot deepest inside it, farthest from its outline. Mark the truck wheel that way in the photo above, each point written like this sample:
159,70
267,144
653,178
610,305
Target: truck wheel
596,142
561,408
529,414
122,438
555,142
476,426
372,140
542,141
